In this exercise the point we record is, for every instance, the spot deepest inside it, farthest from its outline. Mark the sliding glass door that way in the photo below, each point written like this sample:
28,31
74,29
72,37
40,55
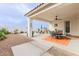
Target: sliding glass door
67,27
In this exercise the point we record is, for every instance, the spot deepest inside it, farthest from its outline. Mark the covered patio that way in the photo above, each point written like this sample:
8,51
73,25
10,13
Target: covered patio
64,12
60,16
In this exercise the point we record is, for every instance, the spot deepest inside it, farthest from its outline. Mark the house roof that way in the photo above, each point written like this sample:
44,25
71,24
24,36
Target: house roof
34,8
39,8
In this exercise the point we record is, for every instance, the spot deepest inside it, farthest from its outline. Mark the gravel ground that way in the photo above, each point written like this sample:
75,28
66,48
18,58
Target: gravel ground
12,40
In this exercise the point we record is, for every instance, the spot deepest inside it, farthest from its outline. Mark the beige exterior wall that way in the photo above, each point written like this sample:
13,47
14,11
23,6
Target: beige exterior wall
60,24
74,26
74,30
59,27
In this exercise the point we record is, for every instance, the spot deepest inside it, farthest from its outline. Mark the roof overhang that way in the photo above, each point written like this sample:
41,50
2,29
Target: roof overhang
39,8
48,11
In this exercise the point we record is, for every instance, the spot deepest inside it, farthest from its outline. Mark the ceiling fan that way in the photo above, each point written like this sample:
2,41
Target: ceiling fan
56,18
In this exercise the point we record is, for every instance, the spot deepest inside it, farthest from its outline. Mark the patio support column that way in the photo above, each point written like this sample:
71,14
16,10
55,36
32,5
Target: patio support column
29,28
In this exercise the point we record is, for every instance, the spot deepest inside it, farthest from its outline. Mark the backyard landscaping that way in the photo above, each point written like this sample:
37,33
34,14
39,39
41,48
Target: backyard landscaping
7,40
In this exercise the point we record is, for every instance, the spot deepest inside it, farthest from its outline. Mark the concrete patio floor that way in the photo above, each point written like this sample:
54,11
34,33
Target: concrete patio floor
58,49
43,48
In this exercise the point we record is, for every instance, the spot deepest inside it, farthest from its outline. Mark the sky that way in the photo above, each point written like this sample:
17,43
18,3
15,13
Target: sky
12,16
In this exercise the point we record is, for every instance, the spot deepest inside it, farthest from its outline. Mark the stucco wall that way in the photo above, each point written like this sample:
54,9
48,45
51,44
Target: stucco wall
60,26
74,26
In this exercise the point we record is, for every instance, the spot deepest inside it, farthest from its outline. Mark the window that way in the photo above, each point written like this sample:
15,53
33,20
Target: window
67,26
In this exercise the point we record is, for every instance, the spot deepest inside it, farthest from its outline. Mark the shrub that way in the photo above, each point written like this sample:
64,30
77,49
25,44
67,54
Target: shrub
2,35
4,30
21,32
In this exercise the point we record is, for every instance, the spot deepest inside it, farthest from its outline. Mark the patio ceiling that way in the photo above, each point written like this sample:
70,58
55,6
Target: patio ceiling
63,11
